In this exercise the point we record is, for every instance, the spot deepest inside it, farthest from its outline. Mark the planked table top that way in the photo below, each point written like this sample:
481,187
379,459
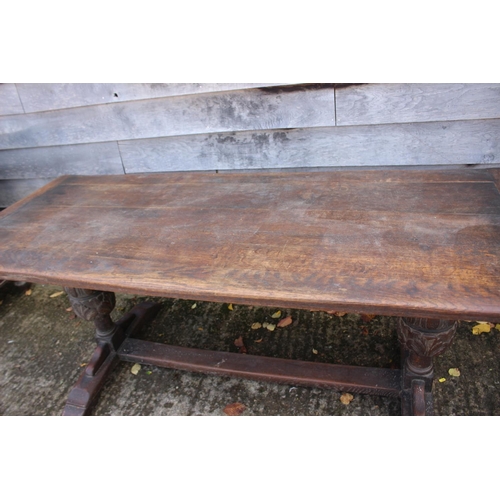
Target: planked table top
393,242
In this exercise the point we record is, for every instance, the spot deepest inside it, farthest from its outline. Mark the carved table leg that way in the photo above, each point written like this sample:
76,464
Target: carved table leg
421,339
96,306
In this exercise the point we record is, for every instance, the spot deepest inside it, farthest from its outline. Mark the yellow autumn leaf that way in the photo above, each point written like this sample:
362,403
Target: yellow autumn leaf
442,379
481,328
193,306
454,372
230,307
28,292
346,398
497,326
271,327
315,351
56,294
276,315
135,369
256,326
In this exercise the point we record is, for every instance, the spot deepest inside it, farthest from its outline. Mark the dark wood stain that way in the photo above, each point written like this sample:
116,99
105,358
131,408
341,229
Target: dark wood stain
304,87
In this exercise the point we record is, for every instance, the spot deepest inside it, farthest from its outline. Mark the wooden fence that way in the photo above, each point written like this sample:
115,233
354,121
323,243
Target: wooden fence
47,130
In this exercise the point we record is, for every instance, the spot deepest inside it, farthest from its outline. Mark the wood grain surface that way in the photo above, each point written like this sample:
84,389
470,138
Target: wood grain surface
14,190
168,116
416,243
10,104
435,143
50,96
95,158
416,102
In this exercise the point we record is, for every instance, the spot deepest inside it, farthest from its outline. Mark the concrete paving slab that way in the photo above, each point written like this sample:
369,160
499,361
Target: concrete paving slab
44,346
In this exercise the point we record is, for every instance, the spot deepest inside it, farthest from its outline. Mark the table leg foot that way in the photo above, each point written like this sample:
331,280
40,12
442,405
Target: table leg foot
97,306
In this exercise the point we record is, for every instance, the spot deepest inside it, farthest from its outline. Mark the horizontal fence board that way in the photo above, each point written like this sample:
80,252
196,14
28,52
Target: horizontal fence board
252,109
83,159
445,143
9,100
416,102
50,96
14,190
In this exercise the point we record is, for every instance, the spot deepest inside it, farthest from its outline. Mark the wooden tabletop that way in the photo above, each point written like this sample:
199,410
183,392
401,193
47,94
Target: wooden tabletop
395,242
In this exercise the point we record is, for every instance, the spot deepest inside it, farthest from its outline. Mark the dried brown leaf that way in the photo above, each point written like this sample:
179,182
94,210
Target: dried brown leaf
285,322
364,331
367,317
234,409
239,342
335,313
259,341
56,294
69,309
28,292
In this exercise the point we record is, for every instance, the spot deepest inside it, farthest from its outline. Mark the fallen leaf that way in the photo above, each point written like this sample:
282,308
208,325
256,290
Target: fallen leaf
1,302
239,342
454,372
83,364
285,322
56,294
332,312
315,351
367,317
256,326
230,307
442,379
135,369
497,326
193,306
346,398
149,372
28,292
364,331
258,341
234,409
271,327
69,309
276,315
481,328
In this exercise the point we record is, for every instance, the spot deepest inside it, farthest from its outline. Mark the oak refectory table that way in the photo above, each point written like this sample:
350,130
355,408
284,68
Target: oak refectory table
423,245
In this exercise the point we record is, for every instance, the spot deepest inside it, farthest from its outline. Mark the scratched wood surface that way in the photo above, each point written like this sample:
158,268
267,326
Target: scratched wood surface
422,243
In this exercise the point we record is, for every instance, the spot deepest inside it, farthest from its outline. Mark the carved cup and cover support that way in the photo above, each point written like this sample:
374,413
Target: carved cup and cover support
96,306
421,339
